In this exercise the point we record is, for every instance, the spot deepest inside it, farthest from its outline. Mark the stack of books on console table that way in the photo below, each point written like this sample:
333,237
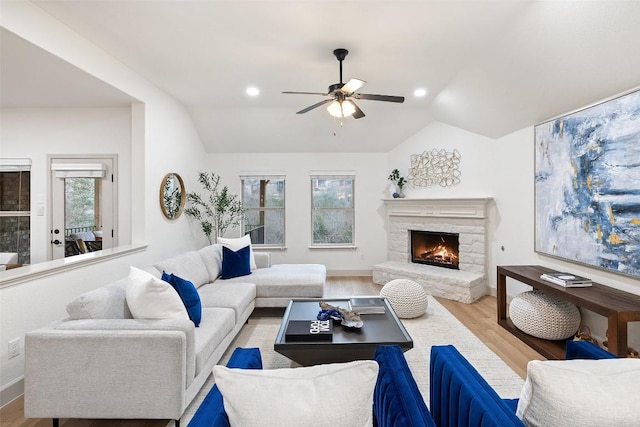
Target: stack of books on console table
367,305
309,330
567,280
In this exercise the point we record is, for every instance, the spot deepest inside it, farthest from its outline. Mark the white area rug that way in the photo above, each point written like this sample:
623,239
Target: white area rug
436,327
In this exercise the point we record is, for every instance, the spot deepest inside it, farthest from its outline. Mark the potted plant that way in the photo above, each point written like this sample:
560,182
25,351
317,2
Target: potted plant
218,210
399,182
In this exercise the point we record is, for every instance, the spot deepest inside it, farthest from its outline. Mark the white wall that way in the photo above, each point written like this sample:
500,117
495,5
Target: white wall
370,188
503,169
163,139
36,132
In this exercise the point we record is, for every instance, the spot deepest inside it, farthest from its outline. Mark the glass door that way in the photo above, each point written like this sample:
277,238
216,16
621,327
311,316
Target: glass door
82,206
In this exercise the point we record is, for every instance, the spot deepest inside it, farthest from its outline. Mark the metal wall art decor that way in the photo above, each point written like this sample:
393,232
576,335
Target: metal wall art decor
587,186
435,167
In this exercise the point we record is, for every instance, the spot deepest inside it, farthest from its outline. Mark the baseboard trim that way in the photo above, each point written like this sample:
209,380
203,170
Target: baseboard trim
348,272
11,391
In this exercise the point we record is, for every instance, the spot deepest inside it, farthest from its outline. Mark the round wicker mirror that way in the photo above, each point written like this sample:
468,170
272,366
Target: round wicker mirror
172,196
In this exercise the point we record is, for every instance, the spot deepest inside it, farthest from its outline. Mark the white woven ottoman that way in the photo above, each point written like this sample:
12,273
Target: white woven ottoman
544,316
407,298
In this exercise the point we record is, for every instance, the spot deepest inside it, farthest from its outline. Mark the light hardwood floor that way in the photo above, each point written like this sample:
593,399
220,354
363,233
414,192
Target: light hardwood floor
479,317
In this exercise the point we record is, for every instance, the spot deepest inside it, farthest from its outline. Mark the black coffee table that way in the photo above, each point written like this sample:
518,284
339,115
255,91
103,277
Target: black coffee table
347,344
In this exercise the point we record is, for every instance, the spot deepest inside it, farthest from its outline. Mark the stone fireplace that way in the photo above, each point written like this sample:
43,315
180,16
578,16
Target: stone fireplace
437,225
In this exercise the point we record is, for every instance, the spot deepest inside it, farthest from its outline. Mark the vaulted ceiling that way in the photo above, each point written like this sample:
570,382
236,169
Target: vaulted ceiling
490,67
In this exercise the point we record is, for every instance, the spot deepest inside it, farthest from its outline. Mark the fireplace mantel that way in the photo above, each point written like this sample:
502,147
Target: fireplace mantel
443,208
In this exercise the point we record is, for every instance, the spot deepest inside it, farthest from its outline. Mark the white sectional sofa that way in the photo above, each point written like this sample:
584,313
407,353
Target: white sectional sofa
100,362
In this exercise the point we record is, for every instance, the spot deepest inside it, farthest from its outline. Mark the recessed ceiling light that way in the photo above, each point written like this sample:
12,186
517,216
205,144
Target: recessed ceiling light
420,92
253,91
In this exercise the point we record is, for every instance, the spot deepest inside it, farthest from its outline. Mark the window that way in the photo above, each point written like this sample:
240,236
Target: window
332,209
15,209
263,198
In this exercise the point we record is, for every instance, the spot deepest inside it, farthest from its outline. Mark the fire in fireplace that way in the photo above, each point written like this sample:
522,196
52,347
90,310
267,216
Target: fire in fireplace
435,248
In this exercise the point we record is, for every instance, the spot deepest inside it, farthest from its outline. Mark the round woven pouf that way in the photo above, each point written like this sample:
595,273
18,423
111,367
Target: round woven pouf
407,298
544,316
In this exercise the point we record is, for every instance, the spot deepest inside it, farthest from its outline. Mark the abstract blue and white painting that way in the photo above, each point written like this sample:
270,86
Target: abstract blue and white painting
587,186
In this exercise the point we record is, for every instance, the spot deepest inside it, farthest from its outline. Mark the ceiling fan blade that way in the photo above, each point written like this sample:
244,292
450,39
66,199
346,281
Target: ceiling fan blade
358,114
316,105
352,86
387,98
306,93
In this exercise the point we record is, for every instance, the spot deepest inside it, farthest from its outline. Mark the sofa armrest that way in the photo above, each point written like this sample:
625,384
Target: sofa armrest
263,259
586,350
181,325
397,401
85,373
211,412
460,396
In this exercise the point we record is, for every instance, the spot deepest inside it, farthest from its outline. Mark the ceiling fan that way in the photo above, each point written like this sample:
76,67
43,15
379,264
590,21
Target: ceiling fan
341,95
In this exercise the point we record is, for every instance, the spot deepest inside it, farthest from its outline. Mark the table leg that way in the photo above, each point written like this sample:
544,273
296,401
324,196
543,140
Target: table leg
502,296
617,335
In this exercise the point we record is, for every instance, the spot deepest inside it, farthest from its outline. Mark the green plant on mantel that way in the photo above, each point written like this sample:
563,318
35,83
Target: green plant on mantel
398,181
217,210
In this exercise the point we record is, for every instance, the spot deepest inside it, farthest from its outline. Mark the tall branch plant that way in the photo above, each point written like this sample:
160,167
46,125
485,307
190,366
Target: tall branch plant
217,210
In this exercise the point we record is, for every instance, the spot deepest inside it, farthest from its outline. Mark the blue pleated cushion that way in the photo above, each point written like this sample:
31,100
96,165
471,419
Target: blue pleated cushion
397,401
459,396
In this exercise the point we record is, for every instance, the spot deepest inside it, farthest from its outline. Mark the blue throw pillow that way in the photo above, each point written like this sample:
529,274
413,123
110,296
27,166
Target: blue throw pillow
235,264
189,295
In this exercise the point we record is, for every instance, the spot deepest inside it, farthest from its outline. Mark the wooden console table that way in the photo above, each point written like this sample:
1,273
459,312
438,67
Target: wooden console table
617,306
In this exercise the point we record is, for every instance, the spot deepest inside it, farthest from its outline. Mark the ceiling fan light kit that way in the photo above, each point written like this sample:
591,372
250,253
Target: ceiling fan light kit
341,108
340,105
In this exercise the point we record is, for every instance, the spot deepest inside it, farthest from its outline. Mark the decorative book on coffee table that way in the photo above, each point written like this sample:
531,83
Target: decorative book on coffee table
309,330
367,305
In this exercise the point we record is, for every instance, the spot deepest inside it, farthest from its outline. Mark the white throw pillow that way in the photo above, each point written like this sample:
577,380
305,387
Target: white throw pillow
151,298
602,393
322,395
239,243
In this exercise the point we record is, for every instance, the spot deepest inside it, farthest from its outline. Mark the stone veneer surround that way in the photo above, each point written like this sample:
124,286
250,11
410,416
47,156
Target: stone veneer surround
465,216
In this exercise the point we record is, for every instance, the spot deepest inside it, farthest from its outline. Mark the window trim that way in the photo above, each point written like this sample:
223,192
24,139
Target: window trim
333,175
266,175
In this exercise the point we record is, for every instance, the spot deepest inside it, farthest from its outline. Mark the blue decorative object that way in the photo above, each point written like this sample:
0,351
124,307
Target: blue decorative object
396,195
188,294
235,264
330,314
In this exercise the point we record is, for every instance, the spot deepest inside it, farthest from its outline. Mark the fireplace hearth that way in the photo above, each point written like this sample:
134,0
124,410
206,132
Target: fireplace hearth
435,248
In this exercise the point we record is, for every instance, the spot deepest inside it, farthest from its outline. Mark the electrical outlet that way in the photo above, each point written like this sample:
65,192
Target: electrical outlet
14,348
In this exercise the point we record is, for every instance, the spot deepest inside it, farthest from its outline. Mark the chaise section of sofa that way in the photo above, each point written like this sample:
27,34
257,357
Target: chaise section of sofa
275,284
